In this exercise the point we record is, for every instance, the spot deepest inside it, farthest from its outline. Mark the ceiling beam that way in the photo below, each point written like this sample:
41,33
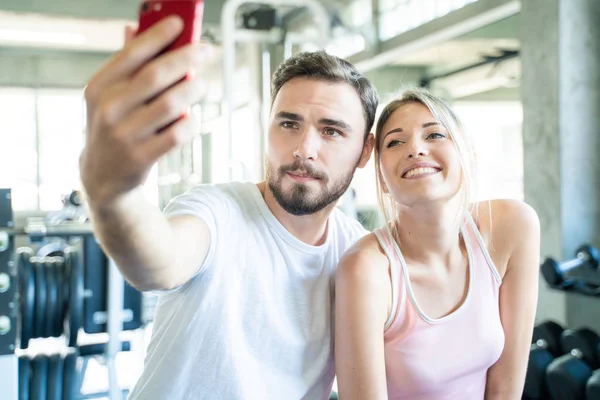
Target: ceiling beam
453,25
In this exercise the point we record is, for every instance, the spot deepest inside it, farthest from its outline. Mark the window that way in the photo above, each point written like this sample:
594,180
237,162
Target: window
61,139
398,16
18,141
42,138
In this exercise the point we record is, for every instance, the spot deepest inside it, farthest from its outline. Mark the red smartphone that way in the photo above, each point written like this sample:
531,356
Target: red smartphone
190,11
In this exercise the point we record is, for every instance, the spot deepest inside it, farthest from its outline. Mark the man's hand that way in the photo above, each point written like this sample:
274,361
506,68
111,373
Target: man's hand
129,100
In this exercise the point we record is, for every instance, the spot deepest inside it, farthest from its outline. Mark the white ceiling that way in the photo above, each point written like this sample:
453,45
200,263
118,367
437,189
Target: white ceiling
32,30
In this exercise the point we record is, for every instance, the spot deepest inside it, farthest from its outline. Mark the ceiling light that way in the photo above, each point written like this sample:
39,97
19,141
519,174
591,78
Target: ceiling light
28,36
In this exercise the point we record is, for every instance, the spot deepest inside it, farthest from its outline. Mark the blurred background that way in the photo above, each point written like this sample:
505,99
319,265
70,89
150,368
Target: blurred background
522,75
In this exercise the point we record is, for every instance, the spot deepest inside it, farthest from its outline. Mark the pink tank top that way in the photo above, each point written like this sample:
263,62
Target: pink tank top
448,357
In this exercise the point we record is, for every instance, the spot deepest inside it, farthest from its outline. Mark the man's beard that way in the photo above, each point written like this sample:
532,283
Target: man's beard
300,200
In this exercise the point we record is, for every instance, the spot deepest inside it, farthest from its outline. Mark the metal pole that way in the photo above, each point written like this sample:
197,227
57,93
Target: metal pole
114,327
321,19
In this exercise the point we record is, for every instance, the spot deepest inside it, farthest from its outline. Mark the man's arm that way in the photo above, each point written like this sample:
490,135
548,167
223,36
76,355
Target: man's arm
153,252
134,104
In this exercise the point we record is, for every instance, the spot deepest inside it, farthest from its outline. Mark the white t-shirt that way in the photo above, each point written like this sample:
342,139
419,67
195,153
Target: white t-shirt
256,322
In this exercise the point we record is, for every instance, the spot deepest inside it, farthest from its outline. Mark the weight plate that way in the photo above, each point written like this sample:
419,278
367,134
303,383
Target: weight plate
57,328
24,377
52,297
73,258
51,249
62,276
70,378
39,325
39,377
55,377
26,296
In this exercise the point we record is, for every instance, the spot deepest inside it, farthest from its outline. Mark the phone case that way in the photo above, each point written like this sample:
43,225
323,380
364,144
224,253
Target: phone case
190,11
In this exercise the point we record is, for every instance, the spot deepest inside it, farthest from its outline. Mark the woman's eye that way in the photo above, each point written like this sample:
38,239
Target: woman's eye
436,135
393,143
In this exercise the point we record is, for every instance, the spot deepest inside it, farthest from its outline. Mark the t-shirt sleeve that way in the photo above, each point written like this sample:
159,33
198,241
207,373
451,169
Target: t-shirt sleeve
209,203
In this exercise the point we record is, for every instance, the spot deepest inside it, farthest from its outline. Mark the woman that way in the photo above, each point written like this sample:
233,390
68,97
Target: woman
440,302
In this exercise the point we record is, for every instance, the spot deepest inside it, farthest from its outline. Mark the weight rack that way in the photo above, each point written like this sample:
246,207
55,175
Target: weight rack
98,301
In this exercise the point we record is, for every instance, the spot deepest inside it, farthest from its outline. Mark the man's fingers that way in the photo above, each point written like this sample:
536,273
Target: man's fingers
167,107
134,55
129,33
182,131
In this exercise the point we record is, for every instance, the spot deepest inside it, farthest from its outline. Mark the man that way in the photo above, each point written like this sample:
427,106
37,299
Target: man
244,270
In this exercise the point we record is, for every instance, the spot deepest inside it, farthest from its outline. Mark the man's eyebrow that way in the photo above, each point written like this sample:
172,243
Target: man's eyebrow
337,123
289,115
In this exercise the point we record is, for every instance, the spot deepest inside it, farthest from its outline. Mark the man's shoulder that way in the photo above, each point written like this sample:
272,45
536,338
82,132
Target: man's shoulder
236,192
348,228
212,197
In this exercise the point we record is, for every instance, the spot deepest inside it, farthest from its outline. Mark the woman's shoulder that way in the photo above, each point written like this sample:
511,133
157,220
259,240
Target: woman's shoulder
364,261
507,214
503,223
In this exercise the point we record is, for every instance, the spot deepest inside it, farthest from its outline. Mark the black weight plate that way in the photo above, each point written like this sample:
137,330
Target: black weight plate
75,294
39,378
26,297
55,377
39,325
62,296
52,298
95,282
62,276
24,377
70,378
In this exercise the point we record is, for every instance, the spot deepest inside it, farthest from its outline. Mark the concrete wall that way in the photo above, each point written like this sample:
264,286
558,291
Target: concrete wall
561,98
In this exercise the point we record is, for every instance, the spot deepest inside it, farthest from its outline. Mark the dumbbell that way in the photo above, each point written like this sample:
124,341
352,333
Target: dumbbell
554,271
545,347
592,388
567,375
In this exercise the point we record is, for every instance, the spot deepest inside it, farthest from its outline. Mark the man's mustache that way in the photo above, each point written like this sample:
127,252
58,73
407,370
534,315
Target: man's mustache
305,168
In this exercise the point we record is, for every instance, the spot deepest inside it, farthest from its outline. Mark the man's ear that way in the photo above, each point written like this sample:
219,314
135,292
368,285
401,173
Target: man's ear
367,151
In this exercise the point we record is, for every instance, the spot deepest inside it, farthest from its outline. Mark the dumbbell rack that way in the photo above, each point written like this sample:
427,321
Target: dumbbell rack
113,319
580,274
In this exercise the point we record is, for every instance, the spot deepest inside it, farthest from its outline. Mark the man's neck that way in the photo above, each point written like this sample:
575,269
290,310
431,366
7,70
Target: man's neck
310,229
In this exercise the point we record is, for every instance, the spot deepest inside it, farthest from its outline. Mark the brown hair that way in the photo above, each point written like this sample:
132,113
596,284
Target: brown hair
319,65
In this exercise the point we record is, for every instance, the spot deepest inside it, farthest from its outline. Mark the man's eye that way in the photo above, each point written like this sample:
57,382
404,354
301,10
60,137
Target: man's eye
331,132
288,125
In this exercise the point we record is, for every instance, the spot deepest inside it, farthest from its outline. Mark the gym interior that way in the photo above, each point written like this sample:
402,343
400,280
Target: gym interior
523,76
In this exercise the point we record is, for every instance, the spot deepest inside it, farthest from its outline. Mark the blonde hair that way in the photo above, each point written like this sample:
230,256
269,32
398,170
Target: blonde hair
443,114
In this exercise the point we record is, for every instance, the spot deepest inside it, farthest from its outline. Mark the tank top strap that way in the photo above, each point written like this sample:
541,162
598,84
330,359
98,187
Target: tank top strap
386,240
480,249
